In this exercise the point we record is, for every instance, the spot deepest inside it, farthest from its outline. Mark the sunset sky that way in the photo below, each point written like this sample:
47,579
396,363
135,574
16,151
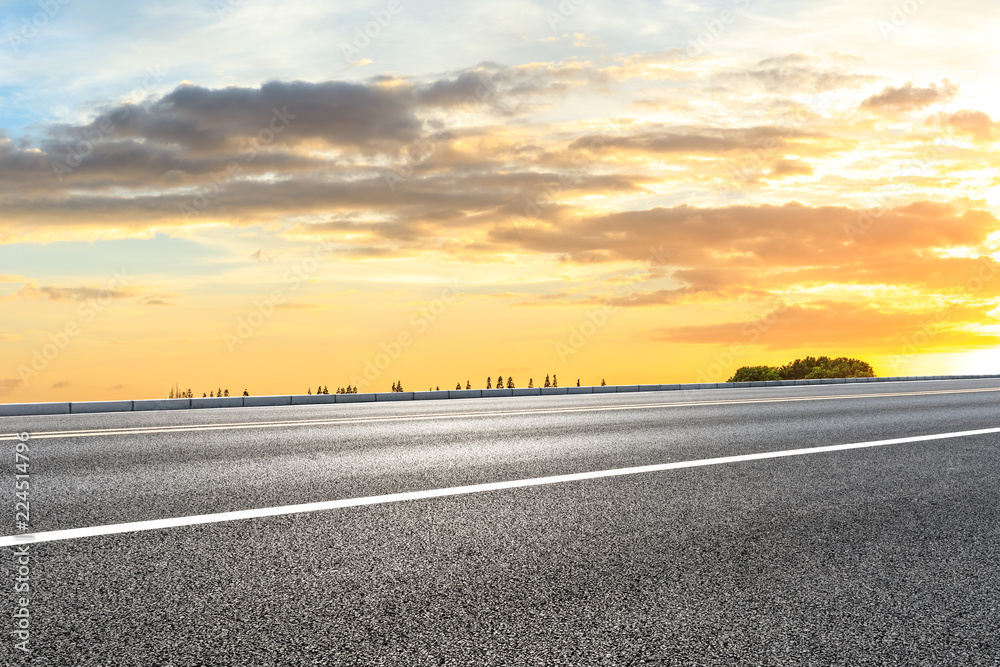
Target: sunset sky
260,195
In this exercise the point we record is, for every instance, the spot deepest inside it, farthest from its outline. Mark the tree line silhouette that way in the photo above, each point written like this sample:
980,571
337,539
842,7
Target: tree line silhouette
397,386
177,392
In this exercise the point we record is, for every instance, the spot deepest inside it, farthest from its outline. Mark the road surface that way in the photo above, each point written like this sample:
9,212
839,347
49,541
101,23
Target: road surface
883,553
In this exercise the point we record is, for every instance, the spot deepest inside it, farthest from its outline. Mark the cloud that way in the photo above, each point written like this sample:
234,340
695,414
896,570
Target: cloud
53,293
203,119
909,97
832,326
693,141
976,124
7,385
791,168
756,237
162,299
60,385
790,74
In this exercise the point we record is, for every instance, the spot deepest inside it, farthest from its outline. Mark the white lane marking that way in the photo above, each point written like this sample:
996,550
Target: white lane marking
188,428
157,524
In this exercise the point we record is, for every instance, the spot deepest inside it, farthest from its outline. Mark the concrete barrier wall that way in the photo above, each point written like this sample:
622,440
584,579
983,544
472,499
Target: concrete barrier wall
93,407
100,406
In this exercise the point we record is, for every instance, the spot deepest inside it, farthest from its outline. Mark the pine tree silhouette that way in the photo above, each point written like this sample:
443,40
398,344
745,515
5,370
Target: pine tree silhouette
326,390
245,393
227,393
531,383
499,382
510,382
468,385
548,383
578,382
458,385
219,392
555,382
309,391
489,384
203,395
603,383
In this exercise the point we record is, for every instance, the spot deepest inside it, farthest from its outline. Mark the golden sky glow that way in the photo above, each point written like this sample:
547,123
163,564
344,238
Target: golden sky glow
635,192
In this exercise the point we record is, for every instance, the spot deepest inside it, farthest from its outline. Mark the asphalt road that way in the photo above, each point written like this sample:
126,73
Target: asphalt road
886,555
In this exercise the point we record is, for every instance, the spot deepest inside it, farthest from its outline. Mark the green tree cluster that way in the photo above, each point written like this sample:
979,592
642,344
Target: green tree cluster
810,368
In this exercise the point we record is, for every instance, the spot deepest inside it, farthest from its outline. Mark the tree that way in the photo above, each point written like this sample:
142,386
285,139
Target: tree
245,393
510,382
603,383
309,391
171,393
809,368
468,385
531,383
219,392
555,382
203,395
227,393
548,383
325,390
499,382
458,386
488,383
578,382
211,394
755,374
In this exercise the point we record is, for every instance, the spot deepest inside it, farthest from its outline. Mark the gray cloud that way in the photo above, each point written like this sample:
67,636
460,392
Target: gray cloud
909,97
687,140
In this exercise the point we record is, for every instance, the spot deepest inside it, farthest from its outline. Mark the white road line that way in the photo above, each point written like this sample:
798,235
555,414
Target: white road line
188,428
157,524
